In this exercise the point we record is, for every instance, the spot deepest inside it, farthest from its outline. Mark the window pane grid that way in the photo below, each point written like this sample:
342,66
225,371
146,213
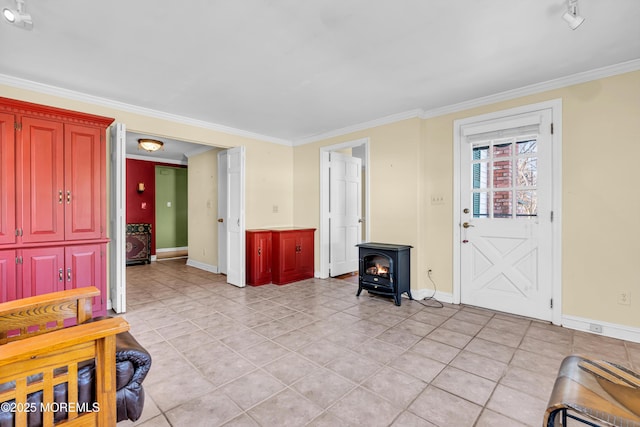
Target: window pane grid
505,178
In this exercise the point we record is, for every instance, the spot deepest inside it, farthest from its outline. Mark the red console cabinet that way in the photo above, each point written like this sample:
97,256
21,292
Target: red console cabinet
258,257
292,254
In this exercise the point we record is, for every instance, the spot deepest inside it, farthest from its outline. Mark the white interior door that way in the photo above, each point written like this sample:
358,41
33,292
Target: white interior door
345,217
235,217
506,234
222,211
117,210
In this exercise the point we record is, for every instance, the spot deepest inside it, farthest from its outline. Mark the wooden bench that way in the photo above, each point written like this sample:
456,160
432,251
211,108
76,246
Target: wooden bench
594,392
37,352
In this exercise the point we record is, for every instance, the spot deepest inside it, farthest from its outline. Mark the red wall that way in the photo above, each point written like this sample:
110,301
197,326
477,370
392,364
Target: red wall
141,207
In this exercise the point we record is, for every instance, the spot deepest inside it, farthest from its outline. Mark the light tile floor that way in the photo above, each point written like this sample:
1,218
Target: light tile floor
312,353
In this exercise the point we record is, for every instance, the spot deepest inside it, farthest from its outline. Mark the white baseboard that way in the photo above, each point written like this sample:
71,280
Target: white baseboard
162,250
611,330
203,266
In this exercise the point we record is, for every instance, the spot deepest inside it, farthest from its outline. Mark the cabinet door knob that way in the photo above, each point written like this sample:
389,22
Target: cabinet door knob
60,275
68,274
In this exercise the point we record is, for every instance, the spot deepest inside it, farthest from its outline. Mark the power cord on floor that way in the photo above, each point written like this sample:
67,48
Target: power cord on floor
432,297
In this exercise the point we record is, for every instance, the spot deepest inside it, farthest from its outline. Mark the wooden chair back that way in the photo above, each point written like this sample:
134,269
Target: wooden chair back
37,353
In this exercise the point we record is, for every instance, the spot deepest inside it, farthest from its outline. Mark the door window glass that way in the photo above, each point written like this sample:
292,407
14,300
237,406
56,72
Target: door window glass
505,178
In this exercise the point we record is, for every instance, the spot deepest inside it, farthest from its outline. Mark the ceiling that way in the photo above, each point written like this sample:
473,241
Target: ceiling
289,70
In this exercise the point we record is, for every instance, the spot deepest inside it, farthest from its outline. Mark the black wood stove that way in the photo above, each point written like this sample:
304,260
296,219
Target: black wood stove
385,269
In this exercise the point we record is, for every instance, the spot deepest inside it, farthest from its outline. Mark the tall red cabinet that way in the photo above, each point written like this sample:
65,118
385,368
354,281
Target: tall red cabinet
52,201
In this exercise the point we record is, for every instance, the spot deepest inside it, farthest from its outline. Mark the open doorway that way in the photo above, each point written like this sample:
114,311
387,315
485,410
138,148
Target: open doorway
344,205
201,162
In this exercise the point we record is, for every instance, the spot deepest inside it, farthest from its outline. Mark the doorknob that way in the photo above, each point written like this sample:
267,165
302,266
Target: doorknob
467,225
360,220
220,220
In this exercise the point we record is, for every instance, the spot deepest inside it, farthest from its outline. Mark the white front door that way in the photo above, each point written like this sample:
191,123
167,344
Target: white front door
222,211
345,212
117,210
235,217
506,235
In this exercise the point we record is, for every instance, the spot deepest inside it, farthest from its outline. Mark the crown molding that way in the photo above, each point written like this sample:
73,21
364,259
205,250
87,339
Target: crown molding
583,77
586,76
360,126
104,102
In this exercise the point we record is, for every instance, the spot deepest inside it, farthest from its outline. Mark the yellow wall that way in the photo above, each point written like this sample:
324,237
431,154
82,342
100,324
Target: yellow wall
412,160
394,164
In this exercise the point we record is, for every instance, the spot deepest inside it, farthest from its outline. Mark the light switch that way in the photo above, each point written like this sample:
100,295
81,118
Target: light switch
168,204
144,205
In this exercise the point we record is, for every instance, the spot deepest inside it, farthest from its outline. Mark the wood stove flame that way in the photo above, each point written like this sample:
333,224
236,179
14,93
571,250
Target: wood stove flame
378,270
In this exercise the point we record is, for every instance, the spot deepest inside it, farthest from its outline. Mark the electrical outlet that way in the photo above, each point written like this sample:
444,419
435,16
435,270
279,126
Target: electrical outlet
624,297
594,327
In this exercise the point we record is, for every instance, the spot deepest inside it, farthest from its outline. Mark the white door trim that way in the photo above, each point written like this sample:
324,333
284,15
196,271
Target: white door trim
324,199
222,212
556,140
117,215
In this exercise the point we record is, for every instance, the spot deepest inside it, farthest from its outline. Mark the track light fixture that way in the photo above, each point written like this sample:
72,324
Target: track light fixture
571,15
18,16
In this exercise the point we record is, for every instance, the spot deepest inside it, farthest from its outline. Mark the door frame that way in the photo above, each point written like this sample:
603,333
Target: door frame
556,195
323,232
222,212
117,215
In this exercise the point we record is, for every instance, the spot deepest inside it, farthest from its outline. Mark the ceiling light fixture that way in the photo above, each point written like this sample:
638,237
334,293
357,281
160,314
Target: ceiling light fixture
18,16
150,145
571,15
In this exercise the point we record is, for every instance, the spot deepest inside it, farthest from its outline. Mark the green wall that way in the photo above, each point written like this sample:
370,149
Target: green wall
171,207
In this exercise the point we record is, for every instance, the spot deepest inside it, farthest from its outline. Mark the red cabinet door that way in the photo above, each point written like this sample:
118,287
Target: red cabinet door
42,271
84,267
288,244
41,198
8,291
258,257
83,182
7,179
305,256
292,255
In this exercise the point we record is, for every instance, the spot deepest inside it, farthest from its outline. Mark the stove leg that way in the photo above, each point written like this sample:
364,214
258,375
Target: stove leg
359,290
396,298
409,293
